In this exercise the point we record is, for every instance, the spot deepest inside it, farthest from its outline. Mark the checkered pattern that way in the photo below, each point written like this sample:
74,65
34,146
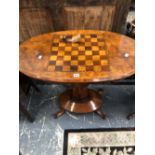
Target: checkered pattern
86,55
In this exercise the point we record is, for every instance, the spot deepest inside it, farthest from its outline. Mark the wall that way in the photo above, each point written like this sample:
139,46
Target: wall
76,14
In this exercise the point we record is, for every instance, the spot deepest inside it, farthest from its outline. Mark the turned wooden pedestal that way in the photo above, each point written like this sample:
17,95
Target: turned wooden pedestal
80,99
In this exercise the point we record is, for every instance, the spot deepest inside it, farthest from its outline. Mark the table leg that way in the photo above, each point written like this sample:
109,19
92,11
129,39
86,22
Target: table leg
101,114
80,99
59,113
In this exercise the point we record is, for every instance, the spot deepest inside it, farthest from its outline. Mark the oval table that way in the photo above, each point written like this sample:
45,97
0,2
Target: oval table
98,56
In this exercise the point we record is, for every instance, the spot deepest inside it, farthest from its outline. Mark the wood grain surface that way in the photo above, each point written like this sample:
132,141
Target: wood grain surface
93,17
36,54
90,17
34,21
73,18
107,17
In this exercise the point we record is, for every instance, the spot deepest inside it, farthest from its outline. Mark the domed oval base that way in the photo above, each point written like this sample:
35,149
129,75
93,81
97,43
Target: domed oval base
90,103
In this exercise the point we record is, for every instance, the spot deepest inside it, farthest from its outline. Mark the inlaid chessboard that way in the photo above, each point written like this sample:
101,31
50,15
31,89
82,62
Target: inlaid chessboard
88,54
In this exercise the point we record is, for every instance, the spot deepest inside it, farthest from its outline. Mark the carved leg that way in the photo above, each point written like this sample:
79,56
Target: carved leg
131,116
59,113
101,114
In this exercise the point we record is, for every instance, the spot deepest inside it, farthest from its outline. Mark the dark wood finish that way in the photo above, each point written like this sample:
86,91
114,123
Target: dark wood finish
38,56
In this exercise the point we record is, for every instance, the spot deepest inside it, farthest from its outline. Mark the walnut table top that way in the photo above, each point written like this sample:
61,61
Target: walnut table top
97,56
